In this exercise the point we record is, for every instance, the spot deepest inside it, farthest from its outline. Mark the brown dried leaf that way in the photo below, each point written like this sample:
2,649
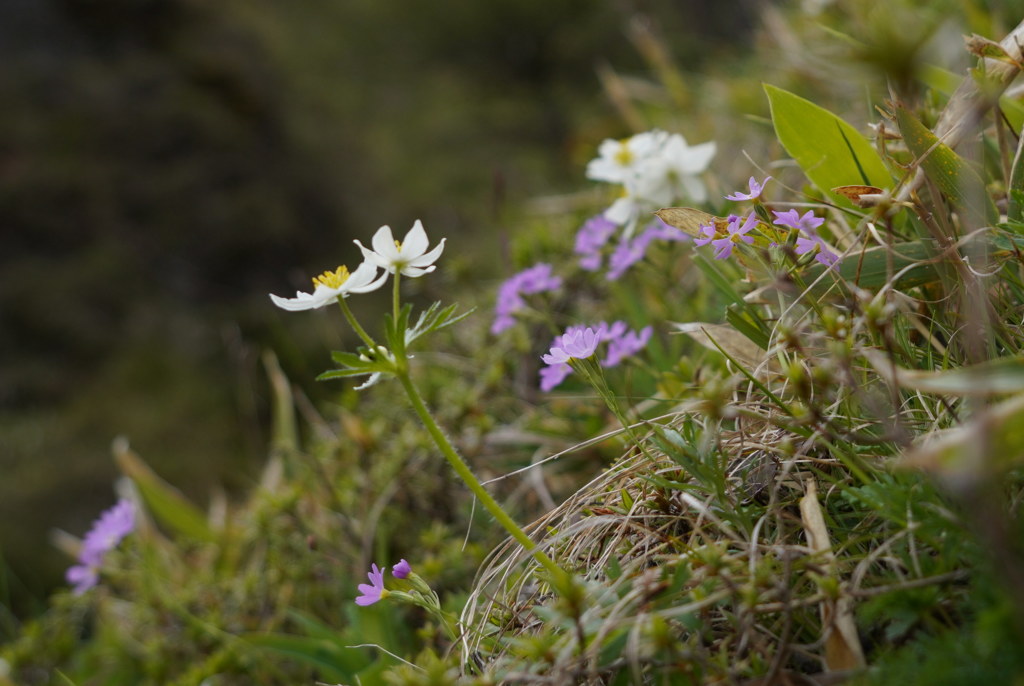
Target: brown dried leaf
690,220
842,646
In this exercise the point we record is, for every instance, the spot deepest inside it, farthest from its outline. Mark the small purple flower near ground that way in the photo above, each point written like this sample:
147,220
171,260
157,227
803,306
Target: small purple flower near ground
591,237
577,342
401,570
536,279
106,532
373,591
755,190
580,343
736,233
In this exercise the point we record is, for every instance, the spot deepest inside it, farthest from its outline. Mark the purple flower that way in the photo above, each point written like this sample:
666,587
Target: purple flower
736,233
576,343
373,591
755,190
629,252
808,223
709,235
591,237
609,332
401,570
536,279
106,532
552,375
581,342
825,255
626,344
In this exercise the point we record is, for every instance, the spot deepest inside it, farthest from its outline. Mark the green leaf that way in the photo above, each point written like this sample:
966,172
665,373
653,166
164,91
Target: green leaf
165,502
874,267
955,178
831,152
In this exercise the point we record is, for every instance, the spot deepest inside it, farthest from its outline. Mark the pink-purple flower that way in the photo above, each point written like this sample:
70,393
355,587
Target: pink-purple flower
631,251
401,570
373,591
536,279
626,344
106,533
591,237
577,343
755,190
735,233
807,224
580,342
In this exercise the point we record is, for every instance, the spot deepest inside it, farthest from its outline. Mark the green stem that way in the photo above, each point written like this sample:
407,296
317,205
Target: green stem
462,469
351,318
395,301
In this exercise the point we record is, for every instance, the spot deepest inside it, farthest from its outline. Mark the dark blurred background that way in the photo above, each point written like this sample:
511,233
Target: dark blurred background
164,164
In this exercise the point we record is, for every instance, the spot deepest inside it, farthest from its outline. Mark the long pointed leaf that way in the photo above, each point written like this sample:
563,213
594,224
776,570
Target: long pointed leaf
831,152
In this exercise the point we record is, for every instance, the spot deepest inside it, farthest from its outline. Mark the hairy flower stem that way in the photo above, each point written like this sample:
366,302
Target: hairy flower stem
462,469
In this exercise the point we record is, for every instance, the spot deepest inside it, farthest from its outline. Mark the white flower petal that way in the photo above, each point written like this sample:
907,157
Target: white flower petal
430,257
694,188
384,243
307,301
364,279
697,158
415,242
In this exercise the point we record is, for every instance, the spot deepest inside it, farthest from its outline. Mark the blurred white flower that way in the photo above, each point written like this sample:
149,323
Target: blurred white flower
619,161
673,173
329,286
410,256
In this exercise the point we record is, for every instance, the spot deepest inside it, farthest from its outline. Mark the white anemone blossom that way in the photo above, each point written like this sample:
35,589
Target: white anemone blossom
329,286
621,161
410,256
655,169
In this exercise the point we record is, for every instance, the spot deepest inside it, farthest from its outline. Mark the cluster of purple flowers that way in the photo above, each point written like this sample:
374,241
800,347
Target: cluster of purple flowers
581,342
597,231
374,591
738,227
106,532
536,279
808,225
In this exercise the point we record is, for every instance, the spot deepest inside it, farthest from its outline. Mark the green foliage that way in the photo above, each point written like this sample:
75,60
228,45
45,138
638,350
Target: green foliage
831,152
812,473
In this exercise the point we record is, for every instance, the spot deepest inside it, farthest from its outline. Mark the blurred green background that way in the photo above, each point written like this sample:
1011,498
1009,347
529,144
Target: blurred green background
164,164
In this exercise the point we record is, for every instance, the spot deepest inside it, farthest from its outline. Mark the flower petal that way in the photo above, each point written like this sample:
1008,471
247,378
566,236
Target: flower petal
415,242
430,257
384,243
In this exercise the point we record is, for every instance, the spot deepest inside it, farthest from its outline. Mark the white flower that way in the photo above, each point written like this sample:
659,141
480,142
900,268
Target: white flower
676,168
410,257
329,286
619,160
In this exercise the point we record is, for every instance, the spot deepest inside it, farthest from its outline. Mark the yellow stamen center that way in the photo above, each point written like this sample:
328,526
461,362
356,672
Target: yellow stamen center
332,279
624,156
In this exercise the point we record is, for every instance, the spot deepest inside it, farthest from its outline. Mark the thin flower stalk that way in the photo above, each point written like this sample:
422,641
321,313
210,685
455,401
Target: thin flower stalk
467,476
